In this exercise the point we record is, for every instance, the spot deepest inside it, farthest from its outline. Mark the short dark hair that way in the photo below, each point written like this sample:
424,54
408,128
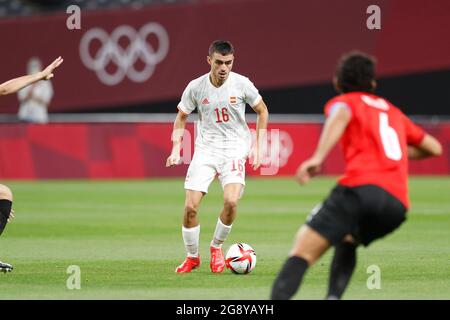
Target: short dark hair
221,46
356,72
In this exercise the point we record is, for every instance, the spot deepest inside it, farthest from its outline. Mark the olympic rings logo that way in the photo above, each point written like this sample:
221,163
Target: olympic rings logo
125,59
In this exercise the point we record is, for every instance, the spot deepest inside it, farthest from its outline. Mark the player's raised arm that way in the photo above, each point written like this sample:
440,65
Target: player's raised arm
261,129
177,136
16,84
332,131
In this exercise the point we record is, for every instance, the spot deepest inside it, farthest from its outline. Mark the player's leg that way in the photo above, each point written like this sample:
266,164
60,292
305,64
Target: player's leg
191,231
191,226
6,199
232,178
342,267
328,223
380,213
308,248
199,176
231,195
191,207
5,206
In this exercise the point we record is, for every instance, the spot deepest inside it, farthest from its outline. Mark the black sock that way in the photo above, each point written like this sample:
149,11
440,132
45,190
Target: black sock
289,278
5,210
344,262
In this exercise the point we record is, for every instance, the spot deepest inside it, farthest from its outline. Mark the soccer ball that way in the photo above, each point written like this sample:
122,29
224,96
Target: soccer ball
240,258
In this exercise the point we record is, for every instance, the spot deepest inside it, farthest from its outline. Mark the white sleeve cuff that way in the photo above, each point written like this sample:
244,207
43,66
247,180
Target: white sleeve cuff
182,108
256,101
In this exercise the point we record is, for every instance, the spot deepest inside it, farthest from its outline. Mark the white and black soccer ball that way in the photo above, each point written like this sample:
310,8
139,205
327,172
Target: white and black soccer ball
240,258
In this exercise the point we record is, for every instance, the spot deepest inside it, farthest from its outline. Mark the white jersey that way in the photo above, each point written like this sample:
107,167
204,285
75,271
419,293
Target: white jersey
222,129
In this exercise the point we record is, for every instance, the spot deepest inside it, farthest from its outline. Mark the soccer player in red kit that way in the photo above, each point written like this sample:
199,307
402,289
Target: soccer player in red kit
371,199
6,196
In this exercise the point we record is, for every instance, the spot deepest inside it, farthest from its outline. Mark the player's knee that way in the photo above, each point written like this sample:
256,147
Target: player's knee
5,193
230,205
309,257
309,245
190,210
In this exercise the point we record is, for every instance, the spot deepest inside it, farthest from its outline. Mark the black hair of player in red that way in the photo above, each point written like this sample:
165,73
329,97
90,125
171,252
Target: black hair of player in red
221,46
356,72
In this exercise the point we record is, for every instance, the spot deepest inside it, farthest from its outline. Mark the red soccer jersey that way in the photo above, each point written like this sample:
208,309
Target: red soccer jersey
375,143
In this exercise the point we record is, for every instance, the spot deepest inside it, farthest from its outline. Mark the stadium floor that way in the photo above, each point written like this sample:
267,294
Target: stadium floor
125,236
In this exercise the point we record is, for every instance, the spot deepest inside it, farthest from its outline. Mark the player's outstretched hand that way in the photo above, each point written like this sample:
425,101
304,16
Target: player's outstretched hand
47,73
173,160
308,169
11,216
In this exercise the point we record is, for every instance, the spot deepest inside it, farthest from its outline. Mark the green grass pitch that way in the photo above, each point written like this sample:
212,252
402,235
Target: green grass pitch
126,238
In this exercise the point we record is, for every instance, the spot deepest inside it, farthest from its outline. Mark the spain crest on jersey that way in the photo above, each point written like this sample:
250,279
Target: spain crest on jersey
233,100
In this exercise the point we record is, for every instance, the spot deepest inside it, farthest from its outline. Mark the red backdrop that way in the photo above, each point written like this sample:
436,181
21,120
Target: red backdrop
140,150
278,44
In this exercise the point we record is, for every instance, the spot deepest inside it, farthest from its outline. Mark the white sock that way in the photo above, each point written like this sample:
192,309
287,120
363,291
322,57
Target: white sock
221,233
191,238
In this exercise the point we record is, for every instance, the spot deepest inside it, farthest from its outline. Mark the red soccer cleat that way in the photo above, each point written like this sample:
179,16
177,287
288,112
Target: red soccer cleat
189,264
217,261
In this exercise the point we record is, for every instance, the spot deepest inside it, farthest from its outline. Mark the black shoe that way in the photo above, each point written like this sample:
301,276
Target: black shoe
5,267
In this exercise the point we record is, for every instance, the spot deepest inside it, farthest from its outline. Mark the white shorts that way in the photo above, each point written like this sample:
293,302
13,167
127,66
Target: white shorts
204,167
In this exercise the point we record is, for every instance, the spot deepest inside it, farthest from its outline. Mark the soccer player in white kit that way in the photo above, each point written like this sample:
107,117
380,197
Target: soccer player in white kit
222,147
6,196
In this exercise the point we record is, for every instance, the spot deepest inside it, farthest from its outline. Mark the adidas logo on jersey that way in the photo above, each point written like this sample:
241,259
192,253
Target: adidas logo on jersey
205,101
